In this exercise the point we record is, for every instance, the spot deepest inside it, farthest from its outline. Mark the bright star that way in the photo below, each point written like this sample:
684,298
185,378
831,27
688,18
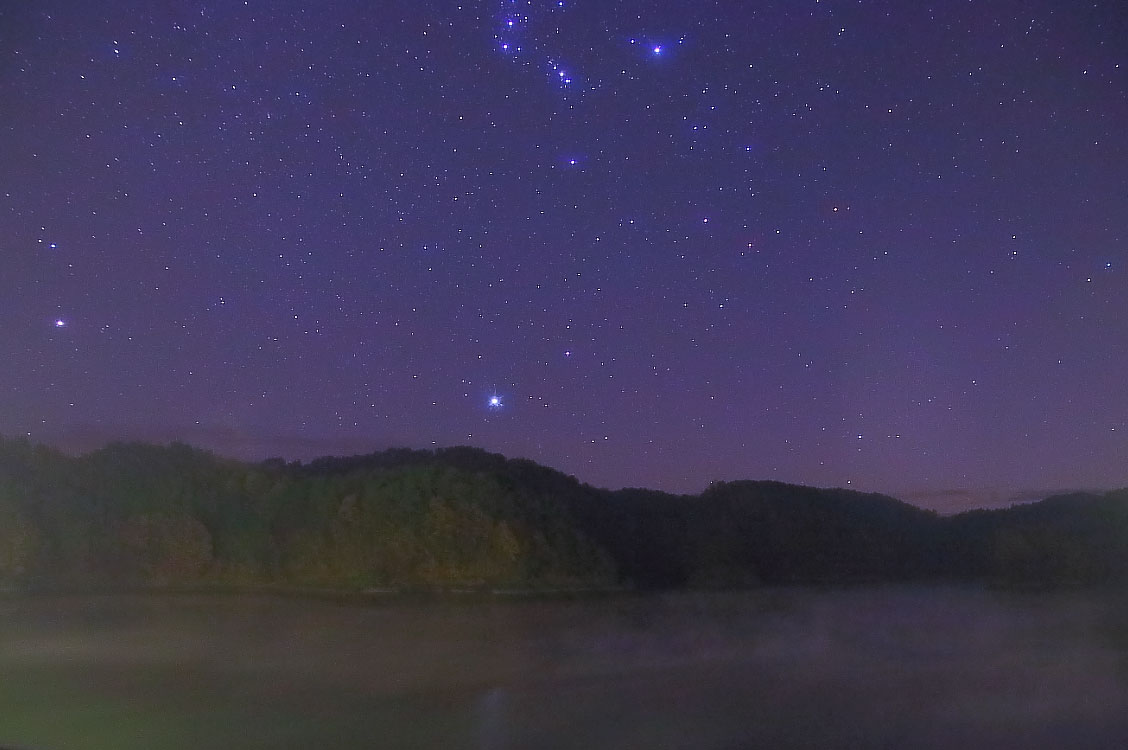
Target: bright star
657,49
495,402
60,323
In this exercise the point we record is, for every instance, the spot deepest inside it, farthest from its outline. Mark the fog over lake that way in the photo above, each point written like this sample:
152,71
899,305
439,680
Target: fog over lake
897,667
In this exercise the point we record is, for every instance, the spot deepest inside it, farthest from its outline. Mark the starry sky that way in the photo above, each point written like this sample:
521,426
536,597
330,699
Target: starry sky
869,244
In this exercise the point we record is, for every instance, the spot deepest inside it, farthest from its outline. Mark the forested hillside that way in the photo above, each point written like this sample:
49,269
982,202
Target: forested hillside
143,515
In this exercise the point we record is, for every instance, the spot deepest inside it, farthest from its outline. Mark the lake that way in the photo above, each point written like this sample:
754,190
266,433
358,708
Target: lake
881,667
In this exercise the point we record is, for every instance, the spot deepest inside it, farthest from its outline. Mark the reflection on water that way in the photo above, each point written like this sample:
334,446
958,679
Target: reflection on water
879,667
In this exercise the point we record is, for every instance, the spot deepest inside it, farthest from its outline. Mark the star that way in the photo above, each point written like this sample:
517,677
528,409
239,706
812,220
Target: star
602,206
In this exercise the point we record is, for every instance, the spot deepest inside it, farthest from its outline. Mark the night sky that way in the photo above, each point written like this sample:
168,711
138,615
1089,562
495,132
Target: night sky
877,245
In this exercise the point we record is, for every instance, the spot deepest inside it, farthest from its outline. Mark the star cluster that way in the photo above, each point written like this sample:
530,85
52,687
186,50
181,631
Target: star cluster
877,245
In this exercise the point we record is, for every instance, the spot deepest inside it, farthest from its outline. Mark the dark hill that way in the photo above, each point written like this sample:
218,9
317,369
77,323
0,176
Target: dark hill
135,514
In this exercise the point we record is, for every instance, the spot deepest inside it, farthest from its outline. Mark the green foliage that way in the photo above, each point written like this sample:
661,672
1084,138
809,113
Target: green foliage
18,541
133,514
158,549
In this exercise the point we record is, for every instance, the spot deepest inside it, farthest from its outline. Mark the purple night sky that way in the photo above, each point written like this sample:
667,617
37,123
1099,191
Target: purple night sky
878,245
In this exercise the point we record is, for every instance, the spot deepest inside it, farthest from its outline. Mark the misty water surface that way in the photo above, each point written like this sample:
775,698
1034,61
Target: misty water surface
880,667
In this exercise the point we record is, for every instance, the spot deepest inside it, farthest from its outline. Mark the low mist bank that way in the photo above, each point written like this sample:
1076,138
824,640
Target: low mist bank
912,667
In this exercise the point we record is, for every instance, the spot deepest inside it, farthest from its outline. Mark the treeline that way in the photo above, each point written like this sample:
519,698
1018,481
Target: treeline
143,515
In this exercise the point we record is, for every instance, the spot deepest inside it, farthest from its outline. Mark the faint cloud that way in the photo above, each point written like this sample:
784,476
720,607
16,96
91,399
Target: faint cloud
232,442
951,501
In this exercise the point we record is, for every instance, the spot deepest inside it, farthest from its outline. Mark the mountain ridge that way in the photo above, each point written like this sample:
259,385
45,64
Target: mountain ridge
174,515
